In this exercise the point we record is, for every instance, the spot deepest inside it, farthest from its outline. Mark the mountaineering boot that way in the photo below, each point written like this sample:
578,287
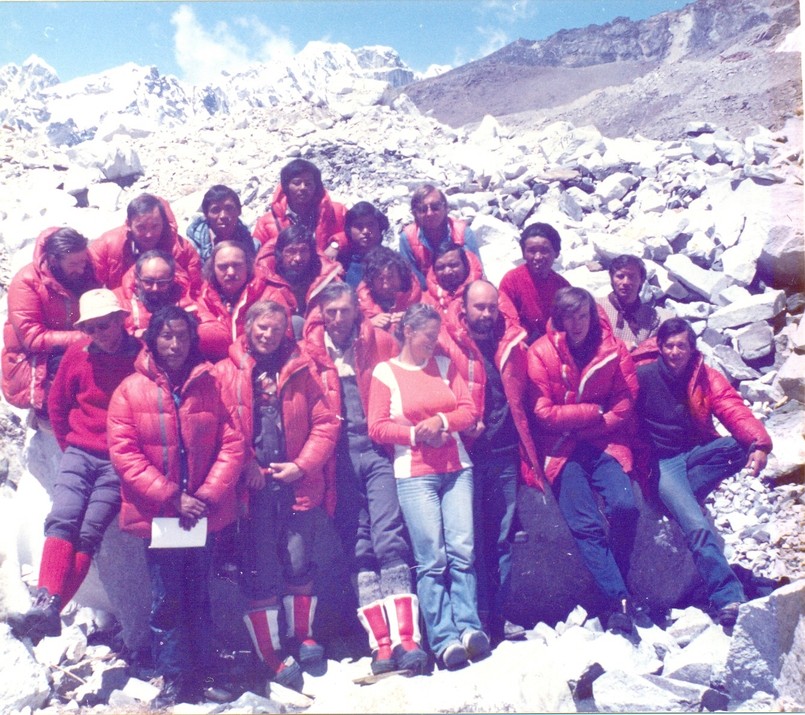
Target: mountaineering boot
373,619
263,627
299,613
402,610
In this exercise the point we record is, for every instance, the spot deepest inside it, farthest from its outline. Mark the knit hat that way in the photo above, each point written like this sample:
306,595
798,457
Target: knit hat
98,303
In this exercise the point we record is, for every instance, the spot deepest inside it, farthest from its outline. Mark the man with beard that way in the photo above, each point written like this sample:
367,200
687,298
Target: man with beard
297,271
42,312
452,269
153,284
632,320
489,350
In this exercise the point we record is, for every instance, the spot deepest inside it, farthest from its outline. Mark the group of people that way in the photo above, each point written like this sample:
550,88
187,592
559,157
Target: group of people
263,378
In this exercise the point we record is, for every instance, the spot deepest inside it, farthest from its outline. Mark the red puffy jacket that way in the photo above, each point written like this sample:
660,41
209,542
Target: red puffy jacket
41,316
369,308
329,222
145,433
511,360
113,254
311,426
441,299
219,328
330,271
567,400
529,300
423,257
139,316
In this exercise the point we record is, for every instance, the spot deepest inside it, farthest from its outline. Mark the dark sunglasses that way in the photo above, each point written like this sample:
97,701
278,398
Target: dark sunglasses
97,327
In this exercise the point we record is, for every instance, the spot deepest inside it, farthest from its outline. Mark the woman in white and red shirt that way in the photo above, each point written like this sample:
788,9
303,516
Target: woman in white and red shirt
419,403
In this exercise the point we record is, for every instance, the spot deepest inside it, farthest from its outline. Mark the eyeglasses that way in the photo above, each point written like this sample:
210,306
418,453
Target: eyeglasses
433,207
97,327
154,282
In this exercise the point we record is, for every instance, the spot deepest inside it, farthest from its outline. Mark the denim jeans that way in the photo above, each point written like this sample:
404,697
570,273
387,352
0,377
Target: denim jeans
437,509
588,470
181,620
494,497
687,478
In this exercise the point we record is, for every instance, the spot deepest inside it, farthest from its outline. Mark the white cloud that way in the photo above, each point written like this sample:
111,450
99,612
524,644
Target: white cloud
510,10
202,54
493,39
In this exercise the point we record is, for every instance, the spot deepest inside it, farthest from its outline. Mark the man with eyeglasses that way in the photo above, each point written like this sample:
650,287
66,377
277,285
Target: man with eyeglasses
152,284
431,228
86,492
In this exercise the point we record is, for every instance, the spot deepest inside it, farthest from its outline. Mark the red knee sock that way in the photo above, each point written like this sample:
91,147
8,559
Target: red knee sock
56,565
81,564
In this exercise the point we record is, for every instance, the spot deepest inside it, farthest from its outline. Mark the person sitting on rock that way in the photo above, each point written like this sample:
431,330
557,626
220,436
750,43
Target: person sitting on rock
43,300
152,285
527,292
432,227
490,353
150,224
230,288
297,272
346,349
364,228
301,200
86,491
632,320
220,221
388,288
584,385
678,398
453,269
291,432
173,441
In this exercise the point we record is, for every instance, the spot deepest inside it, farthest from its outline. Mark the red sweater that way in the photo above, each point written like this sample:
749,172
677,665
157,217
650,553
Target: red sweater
401,396
80,394
529,301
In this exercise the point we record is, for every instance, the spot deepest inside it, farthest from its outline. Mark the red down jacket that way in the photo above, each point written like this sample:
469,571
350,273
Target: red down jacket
330,271
422,255
41,316
511,361
139,316
143,429
329,222
113,254
311,425
369,308
567,400
441,299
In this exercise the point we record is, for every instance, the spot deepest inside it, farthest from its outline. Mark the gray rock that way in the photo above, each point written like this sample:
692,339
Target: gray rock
791,377
24,683
763,306
706,283
703,148
615,186
251,703
740,262
755,341
701,659
690,623
616,691
782,260
764,635
791,683
785,427
732,364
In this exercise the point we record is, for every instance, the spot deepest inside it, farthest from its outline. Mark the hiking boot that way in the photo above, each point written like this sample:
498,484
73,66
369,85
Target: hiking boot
476,643
619,621
289,675
42,618
727,615
513,632
639,614
454,656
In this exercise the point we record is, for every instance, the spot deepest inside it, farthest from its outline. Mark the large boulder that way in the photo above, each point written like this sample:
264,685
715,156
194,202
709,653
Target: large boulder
25,681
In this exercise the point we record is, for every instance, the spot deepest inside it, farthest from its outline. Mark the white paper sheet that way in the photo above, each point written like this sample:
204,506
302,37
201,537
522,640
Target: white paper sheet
167,534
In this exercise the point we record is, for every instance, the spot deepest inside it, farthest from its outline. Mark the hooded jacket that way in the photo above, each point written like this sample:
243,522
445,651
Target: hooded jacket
441,299
310,425
511,361
329,271
330,216
139,316
146,434
114,253
40,323
594,405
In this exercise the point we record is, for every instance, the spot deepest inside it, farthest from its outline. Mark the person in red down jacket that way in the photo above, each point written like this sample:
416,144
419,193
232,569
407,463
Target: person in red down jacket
388,288
679,396
150,224
418,404
490,353
364,228
346,349
152,284
584,386
527,292
301,200
42,313
230,288
86,492
291,431
297,272
453,269
173,441
432,227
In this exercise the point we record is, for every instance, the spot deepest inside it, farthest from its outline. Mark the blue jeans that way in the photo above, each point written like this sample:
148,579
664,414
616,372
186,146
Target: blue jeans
437,509
181,620
687,478
494,497
588,470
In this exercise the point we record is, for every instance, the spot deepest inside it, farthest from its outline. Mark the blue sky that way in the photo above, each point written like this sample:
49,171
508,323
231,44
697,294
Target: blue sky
194,39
